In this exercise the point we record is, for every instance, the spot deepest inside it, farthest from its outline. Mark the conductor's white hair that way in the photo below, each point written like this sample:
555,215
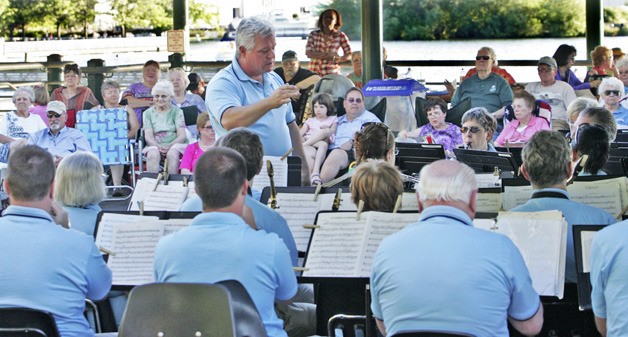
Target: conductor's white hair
248,28
446,181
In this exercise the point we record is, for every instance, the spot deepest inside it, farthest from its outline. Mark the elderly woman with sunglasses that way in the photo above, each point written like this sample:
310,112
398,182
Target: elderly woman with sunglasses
478,127
611,92
75,96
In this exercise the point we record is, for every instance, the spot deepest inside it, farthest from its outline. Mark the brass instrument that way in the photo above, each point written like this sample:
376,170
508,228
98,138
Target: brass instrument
272,201
337,200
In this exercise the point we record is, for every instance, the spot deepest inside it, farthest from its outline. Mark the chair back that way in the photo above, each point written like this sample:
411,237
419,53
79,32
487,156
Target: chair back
379,109
24,322
300,106
178,309
454,115
335,85
247,320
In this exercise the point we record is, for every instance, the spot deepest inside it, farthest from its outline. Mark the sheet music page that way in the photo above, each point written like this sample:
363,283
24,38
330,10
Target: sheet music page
280,173
166,197
104,236
381,225
409,202
485,224
623,187
603,194
140,191
542,239
174,225
488,202
586,238
514,196
298,209
488,180
336,246
134,252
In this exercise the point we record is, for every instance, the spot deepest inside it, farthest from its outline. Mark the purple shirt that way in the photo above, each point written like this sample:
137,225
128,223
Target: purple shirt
573,81
140,91
449,138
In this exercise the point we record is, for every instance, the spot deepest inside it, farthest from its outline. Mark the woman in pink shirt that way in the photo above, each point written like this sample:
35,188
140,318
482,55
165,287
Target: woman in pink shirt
207,138
519,131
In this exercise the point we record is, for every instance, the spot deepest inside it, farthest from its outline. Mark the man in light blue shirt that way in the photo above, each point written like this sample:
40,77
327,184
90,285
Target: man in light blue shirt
340,153
547,165
248,93
442,274
218,245
58,139
45,266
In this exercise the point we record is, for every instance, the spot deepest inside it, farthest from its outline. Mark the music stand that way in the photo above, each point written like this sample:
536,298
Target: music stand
516,153
412,157
615,166
485,161
582,236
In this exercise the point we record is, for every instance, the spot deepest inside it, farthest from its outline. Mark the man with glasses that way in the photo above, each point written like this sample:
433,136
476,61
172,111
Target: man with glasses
340,153
557,94
59,139
485,89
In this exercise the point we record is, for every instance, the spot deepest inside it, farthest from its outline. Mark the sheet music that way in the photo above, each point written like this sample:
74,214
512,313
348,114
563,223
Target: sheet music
344,246
488,180
586,238
335,249
164,198
280,173
174,225
409,202
380,226
603,194
514,196
191,191
489,202
327,201
134,252
541,237
298,209
104,235
485,224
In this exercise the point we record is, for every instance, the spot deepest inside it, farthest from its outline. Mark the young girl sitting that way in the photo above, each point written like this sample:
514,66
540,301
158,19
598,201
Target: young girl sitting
317,132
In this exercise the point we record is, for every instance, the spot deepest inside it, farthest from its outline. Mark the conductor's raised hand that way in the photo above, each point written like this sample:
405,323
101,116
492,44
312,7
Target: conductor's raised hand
284,94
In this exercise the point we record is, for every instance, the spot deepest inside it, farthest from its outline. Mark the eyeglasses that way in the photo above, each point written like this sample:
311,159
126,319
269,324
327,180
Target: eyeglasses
161,96
544,70
473,129
611,92
396,151
207,128
53,114
357,100
482,57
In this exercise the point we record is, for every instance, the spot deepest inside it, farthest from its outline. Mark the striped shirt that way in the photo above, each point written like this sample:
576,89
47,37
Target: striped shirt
316,42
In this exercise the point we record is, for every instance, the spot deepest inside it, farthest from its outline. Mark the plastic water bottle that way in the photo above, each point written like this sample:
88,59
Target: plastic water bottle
462,73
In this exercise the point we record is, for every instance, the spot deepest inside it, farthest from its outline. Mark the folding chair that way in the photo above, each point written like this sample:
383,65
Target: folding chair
431,334
26,322
179,309
106,130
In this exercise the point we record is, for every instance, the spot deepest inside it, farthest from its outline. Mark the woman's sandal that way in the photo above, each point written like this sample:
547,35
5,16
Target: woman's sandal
315,179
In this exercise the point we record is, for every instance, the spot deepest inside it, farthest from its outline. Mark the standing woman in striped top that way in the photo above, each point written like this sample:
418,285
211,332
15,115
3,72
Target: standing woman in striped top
323,44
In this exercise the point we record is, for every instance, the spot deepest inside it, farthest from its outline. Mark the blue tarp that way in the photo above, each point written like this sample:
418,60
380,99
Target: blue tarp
392,87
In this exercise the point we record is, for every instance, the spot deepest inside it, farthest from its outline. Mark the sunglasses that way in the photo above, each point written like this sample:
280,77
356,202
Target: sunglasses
483,57
161,96
473,129
357,100
611,92
207,128
53,114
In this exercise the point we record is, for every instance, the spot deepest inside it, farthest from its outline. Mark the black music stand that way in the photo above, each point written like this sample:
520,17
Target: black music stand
412,157
516,153
485,161
617,160
583,272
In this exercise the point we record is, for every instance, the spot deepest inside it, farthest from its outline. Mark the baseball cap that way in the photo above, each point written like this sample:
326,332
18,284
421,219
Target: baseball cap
56,106
289,56
549,61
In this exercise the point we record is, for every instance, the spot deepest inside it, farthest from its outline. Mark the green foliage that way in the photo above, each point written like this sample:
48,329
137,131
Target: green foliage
616,20
471,19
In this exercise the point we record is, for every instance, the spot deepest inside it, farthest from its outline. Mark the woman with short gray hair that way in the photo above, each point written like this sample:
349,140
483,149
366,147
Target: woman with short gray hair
478,127
19,124
611,92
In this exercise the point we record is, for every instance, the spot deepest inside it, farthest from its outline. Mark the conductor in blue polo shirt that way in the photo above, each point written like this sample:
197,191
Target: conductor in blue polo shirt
249,93
218,245
442,274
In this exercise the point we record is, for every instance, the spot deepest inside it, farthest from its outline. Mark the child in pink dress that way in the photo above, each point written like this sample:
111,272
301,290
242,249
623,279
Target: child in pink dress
317,132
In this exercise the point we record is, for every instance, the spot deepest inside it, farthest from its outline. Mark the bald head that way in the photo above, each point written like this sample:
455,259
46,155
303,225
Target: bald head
447,182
